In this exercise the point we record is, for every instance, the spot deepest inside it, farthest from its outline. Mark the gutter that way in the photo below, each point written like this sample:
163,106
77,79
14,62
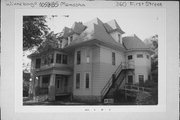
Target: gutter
141,49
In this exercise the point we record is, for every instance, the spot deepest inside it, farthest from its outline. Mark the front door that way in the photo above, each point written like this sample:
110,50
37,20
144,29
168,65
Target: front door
61,84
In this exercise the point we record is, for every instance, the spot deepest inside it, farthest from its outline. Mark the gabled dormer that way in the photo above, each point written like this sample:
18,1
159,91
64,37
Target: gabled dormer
114,30
70,34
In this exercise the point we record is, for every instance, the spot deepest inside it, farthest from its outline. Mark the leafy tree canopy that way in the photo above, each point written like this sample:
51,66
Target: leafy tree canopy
51,41
153,43
34,29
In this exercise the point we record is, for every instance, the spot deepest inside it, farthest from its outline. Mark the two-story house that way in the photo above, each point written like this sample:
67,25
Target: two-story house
90,58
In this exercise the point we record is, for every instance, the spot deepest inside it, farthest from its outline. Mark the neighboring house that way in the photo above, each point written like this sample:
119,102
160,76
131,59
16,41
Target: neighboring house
89,61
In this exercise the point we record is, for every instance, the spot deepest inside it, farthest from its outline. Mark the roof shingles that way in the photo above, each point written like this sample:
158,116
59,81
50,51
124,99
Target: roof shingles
133,42
95,30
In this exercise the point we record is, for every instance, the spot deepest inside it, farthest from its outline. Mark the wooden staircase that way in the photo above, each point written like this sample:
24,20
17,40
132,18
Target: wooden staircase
114,82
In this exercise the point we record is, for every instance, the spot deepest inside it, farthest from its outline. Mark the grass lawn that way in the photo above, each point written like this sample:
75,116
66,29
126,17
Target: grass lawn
27,101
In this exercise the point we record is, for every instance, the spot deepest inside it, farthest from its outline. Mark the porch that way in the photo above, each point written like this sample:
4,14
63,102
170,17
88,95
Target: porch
53,85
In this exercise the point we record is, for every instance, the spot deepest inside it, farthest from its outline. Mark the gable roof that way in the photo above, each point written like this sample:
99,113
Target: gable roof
133,43
95,30
112,26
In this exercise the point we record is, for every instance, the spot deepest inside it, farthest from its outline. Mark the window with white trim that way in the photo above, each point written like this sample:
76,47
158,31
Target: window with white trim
77,80
87,79
87,55
130,57
78,57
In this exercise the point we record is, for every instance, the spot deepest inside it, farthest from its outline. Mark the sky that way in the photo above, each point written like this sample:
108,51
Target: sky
142,22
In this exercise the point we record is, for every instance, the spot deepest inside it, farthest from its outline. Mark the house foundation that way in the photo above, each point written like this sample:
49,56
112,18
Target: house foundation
87,98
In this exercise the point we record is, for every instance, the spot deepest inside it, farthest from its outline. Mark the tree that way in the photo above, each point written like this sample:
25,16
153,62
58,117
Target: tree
154,59
34,29
153,43
153,83
51,40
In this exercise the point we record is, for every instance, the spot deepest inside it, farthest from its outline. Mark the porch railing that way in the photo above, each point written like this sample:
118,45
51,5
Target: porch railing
136,88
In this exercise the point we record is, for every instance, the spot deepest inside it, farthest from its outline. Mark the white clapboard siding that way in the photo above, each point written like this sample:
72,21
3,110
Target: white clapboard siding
142,65
106,69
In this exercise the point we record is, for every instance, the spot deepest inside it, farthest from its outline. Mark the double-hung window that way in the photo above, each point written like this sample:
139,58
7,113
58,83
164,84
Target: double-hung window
58,58
64,61
38,62
87,80
78,57
77,80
